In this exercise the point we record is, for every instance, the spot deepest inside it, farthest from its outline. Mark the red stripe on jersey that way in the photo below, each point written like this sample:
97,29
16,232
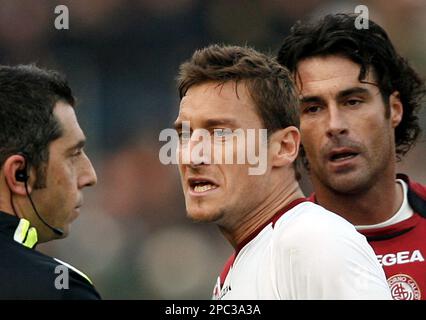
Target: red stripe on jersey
226,269
394,229
274,219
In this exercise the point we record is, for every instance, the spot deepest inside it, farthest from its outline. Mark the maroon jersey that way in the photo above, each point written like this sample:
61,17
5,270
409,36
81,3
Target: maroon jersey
401,247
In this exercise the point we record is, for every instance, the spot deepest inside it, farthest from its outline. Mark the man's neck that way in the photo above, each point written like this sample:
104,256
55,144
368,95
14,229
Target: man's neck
276,200
375,205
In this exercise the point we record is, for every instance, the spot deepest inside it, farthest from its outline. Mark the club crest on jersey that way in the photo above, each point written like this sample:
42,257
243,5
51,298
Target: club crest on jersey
403,287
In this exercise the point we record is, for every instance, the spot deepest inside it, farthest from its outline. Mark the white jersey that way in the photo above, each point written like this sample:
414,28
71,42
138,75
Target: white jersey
304,252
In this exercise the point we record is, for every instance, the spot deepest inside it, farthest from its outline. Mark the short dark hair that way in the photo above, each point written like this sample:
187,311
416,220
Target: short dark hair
270,85
371,48
28,96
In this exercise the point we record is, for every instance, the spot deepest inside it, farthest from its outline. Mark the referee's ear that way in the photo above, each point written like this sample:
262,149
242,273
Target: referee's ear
11,166
284,146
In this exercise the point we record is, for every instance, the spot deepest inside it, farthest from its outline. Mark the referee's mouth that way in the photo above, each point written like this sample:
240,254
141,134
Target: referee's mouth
201,185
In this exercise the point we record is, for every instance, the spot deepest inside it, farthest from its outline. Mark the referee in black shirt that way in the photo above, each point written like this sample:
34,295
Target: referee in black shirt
43,170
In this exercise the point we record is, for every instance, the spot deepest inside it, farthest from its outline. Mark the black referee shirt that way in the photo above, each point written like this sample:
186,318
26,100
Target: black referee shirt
28,274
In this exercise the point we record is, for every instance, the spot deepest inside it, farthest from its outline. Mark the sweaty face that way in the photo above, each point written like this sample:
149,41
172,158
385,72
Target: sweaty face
68,171
220,193
347,136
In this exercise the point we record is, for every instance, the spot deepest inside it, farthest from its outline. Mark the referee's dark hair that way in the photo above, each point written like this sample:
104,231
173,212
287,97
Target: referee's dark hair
28,95
371,48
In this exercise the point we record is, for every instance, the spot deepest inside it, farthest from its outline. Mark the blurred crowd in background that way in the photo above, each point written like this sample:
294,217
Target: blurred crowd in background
121,57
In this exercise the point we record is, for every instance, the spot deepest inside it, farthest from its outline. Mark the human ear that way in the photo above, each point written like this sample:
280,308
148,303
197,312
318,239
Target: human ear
396,109
14,170
284,146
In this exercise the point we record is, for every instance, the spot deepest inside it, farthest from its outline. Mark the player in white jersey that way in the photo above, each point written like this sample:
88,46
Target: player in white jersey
285,247
304,252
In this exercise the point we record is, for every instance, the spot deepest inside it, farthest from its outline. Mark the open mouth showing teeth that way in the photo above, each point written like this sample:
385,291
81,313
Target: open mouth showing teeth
202,186
343,156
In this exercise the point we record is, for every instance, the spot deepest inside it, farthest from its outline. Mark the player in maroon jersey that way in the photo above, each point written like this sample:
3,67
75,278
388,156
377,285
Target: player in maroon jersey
359,106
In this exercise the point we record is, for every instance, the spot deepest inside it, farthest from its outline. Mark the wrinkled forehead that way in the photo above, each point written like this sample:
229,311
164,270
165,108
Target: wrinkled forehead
330,73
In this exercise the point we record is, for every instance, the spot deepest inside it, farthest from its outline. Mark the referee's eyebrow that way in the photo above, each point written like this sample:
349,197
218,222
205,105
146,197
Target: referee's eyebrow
79,145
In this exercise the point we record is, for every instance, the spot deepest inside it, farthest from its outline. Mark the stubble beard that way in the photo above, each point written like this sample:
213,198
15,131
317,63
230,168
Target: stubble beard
361,180
208,215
